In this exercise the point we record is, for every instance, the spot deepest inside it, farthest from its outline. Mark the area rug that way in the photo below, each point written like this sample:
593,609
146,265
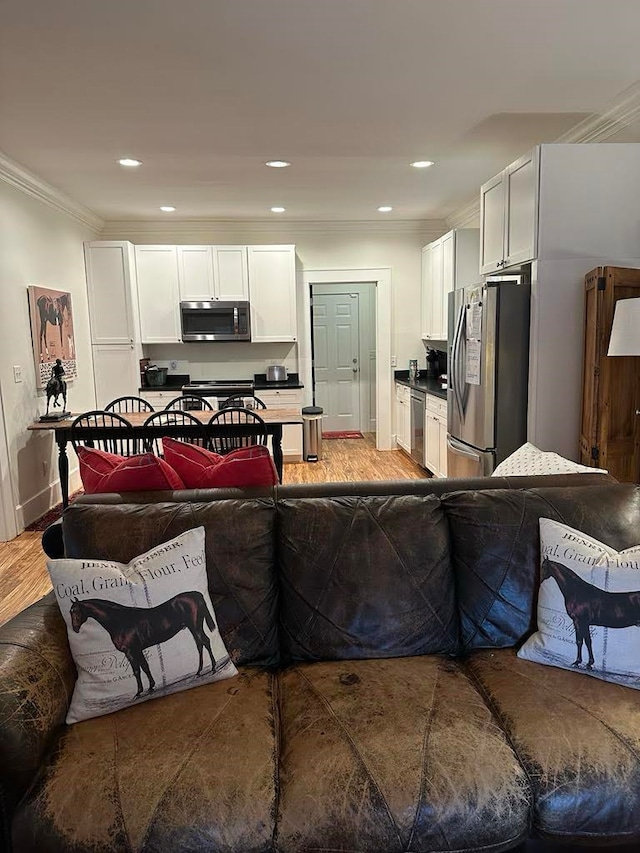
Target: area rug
345,433
53,515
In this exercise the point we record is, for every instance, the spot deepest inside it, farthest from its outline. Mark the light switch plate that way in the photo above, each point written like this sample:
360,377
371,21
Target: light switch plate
17,373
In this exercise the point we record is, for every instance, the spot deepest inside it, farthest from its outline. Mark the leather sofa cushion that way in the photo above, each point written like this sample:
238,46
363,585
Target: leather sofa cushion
365,577
239,543
579,740
394,755
496,550
191,771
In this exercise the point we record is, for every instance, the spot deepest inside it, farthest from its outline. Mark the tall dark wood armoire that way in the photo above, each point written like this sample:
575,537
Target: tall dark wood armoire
610,432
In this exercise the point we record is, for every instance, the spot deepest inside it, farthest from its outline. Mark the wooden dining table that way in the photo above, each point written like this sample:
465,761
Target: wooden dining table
274,420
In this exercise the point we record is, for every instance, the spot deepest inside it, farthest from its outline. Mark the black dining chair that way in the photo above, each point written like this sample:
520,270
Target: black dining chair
189,403
238,401
174,422
129,404
254,430
107,431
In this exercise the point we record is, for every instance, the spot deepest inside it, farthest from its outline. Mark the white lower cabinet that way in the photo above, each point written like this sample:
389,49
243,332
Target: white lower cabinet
159,399
435,436
291,433
116,372
403,417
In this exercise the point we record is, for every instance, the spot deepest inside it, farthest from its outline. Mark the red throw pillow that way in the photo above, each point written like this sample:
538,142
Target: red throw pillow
95,466
202,469
143,473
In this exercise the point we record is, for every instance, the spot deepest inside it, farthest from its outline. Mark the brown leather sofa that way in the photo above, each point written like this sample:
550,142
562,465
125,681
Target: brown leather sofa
380,704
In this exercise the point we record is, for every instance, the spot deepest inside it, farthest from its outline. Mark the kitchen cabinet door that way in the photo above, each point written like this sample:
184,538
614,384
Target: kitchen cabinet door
492,224
231,273
158,294
437,284
521,210
448,243
111,288
442,453
406,413
425,291
291,433
431,443
116,372
272,290
195,273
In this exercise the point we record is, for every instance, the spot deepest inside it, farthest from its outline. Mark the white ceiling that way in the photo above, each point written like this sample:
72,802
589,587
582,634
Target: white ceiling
204,91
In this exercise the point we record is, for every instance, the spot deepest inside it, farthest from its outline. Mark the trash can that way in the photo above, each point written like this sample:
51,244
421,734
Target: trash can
312,433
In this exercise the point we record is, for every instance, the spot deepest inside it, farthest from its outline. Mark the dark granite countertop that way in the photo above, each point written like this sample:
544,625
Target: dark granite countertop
174,382
261,384
424,383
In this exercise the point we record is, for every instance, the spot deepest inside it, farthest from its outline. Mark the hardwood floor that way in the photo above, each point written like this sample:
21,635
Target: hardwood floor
23,571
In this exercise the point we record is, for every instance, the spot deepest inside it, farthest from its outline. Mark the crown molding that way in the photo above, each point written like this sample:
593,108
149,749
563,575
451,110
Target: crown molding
17,176
616,115
205,229
466,216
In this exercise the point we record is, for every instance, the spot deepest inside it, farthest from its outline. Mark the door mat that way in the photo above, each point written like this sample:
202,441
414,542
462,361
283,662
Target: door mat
346,433
41,524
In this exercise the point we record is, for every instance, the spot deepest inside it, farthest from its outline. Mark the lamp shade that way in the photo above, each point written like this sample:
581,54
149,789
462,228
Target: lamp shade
625,332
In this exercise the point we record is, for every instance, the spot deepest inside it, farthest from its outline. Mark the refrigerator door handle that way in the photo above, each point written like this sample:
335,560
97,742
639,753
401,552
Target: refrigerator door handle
454,358
456,448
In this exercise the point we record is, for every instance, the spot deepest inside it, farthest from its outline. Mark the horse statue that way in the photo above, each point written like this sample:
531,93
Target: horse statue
56,386
134,629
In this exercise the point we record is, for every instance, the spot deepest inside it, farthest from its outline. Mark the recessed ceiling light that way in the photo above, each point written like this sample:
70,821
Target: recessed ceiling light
422,164
166,208
129,161
277,164
278,209
385,209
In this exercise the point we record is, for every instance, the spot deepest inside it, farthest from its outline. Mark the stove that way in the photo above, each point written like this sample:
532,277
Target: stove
218,391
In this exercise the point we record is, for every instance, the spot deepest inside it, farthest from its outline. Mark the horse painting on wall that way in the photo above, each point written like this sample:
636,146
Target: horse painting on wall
51,332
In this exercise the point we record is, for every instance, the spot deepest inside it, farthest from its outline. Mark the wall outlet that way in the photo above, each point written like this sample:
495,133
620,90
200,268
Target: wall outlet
17,373
394,361
173,365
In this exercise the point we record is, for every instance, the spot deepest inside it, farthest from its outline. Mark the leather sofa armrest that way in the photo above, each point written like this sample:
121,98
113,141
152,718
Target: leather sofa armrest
37,676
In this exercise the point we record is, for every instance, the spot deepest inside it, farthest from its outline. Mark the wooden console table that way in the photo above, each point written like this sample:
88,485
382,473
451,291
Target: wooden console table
274,420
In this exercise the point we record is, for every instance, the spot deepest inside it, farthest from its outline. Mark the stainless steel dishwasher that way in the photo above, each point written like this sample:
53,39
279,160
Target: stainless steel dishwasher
418,405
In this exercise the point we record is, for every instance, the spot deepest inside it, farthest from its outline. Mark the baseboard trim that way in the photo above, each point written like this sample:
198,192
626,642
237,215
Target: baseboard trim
37,505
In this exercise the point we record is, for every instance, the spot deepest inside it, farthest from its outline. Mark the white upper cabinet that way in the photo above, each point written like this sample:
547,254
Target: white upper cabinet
158,294
111,292
231,274
447,263
509,215
195,273
213,272
272,288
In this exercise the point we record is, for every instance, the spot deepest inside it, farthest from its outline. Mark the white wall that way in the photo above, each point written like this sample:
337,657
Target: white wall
38,245
318,245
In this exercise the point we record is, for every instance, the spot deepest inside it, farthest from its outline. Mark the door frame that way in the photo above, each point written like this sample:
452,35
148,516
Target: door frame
381,278
8,518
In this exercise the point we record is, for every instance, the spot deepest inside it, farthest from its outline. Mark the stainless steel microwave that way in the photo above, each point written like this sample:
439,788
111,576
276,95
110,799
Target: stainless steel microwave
215,321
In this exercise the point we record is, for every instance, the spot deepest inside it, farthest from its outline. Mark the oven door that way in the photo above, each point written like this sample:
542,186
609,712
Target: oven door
215,321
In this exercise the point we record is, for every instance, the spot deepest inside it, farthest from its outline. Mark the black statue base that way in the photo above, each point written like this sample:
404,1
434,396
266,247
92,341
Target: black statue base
56,416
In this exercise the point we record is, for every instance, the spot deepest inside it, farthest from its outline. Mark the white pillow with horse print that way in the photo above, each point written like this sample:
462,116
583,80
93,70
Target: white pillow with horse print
141,630
588,606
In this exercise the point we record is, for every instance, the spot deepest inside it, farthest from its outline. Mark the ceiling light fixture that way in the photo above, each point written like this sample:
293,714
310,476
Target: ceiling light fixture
278,209
422,164
129,161
385,209
278,164
166,208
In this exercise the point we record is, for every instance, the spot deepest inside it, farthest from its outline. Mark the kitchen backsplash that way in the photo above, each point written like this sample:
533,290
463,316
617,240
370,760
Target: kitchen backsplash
228,360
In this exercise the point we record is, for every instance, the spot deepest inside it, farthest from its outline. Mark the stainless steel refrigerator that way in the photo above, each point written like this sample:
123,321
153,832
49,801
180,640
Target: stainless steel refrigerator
488,373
